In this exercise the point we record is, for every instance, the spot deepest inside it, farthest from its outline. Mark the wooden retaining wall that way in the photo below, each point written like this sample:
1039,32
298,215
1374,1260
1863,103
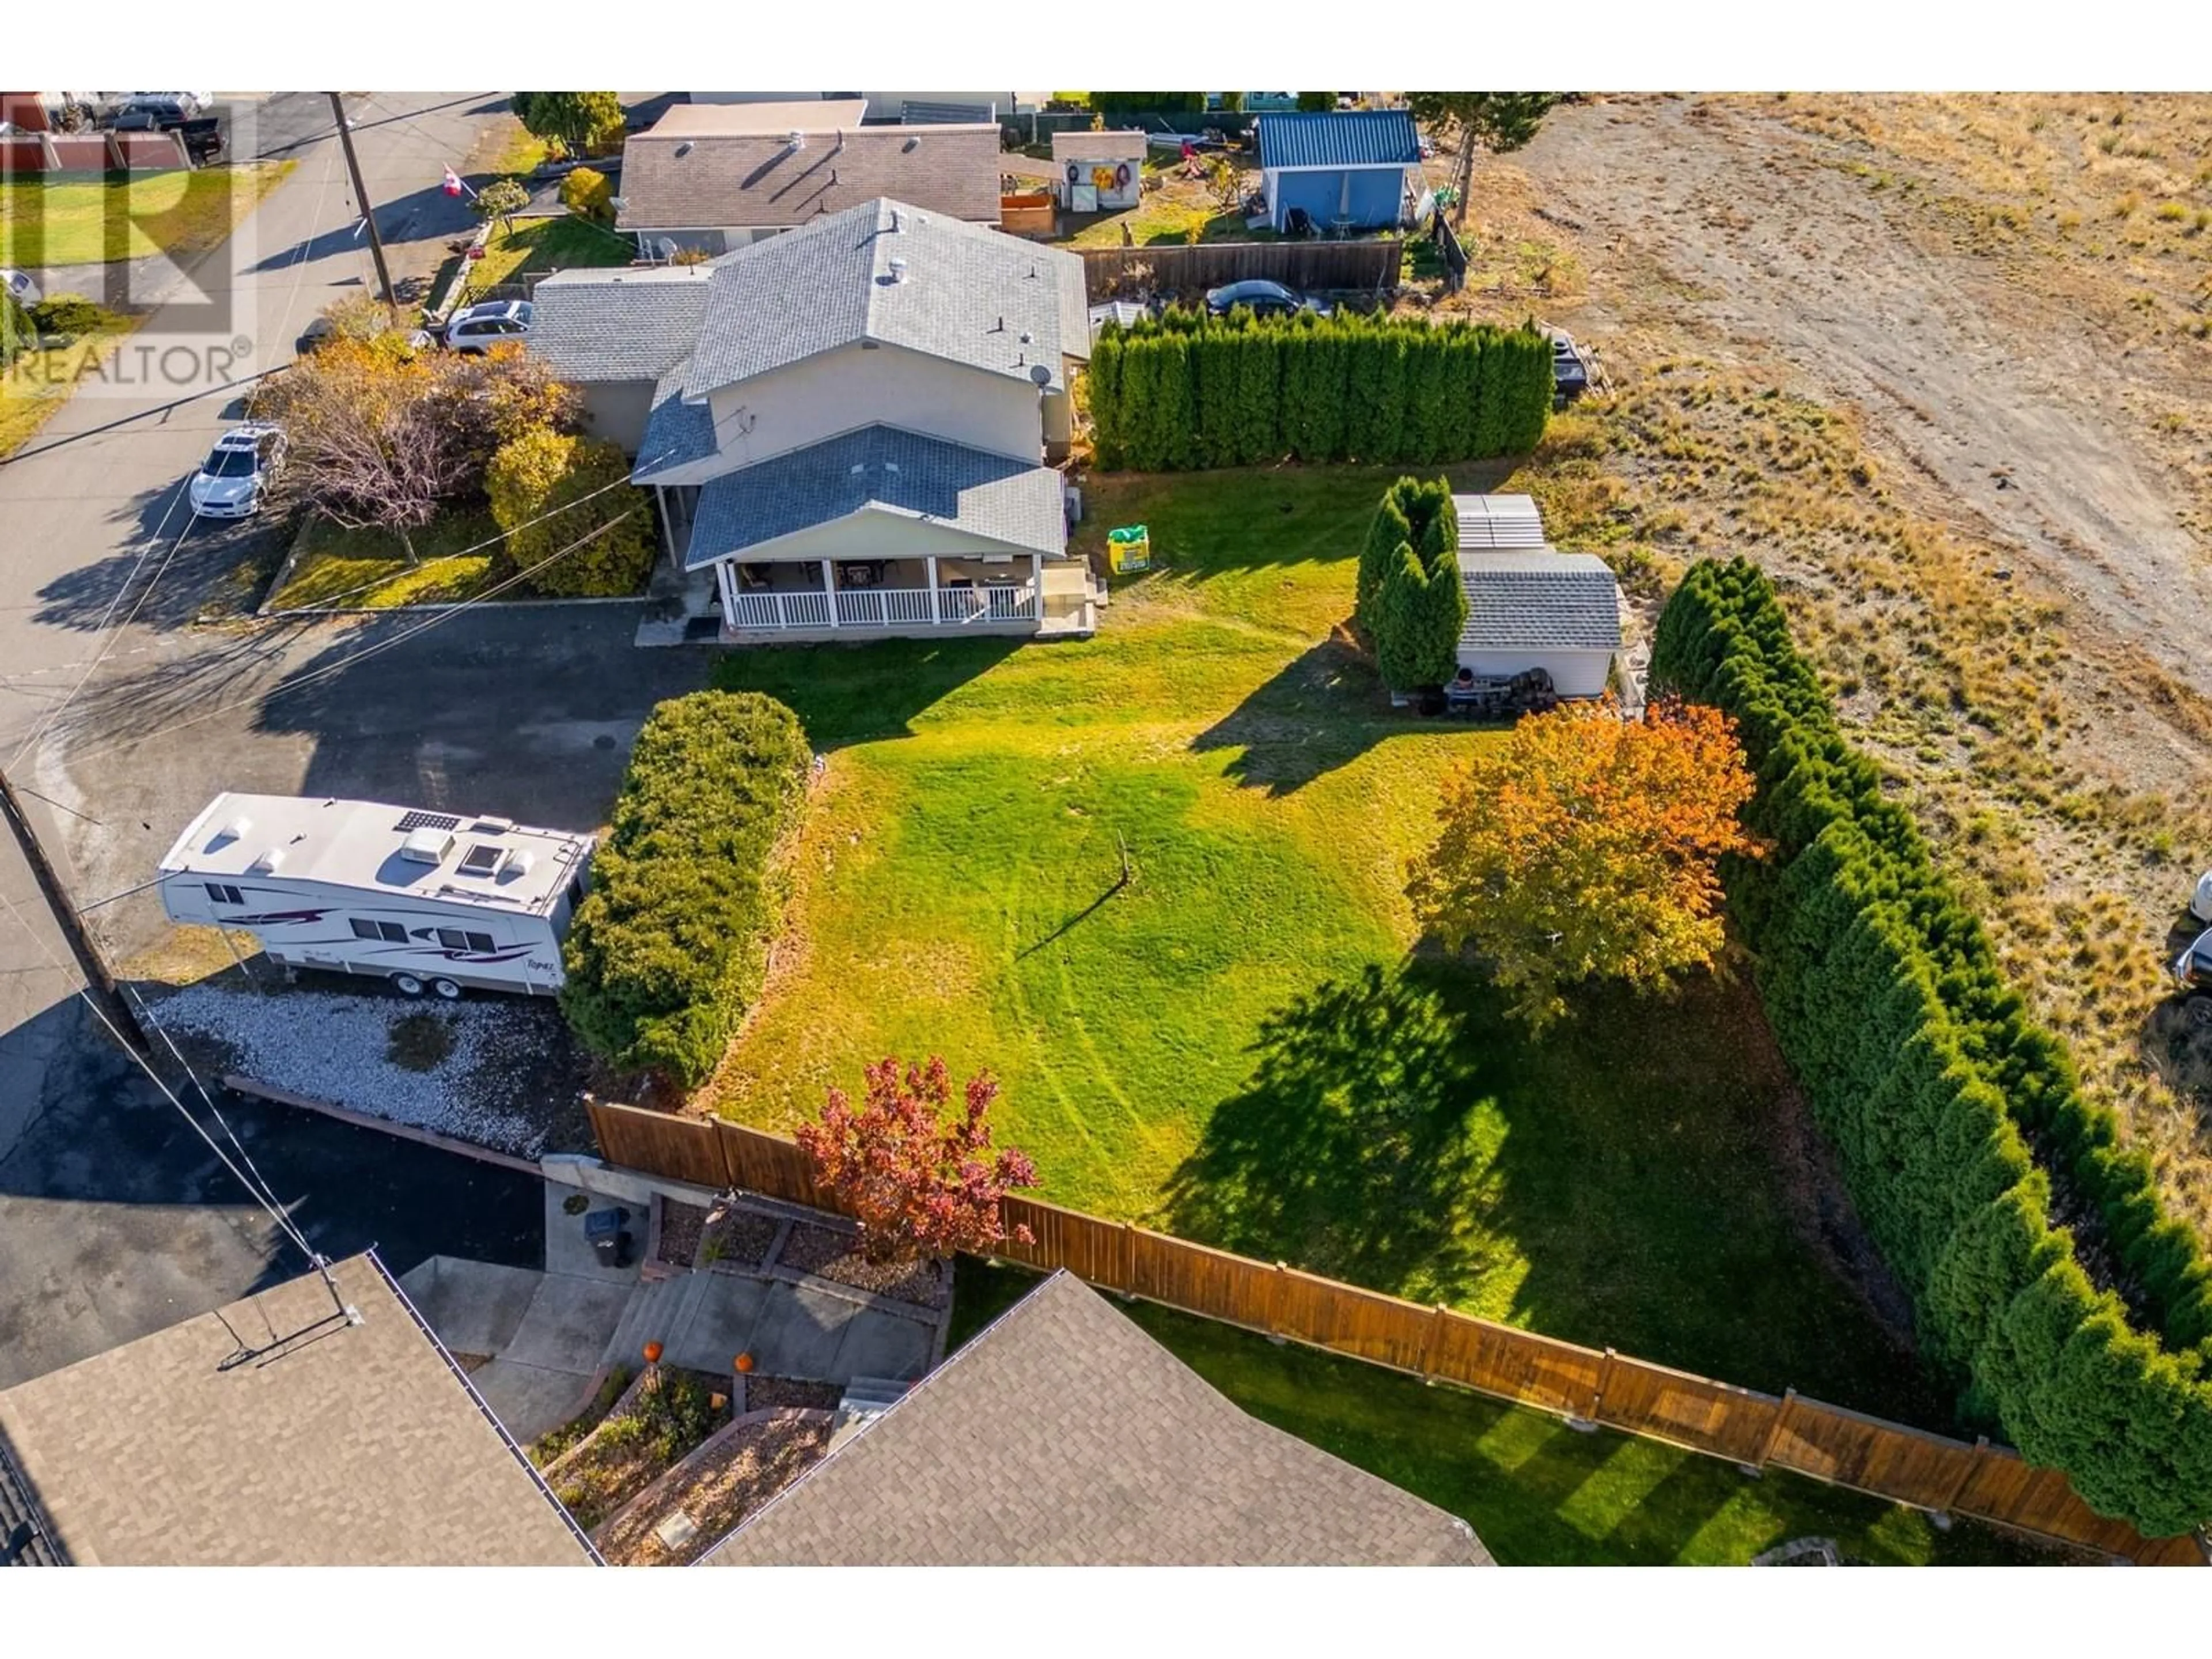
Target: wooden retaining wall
1758,1430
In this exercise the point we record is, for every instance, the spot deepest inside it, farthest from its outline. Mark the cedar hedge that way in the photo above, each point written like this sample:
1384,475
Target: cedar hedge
669,949
1190,390
1409,599
2049,1284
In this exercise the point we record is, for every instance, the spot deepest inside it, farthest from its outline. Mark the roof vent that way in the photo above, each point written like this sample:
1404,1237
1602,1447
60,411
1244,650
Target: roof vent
427,846
267,863
797,139
518,864
493,826
898,270
911,145
236,828
684,148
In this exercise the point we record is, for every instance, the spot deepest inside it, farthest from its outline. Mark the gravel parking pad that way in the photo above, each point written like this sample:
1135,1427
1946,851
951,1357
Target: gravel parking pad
508,1079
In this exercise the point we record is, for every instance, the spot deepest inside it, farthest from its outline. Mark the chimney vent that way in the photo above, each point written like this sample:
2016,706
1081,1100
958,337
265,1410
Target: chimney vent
798,139
898,270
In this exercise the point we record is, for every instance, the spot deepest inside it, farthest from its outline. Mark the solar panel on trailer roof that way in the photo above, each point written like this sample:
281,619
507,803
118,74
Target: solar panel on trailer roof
426,821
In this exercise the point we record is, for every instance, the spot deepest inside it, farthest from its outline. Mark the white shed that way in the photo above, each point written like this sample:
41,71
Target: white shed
1111,164
1498,522
1557,612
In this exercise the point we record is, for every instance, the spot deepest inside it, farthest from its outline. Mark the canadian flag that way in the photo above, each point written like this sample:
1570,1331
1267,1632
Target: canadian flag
452,184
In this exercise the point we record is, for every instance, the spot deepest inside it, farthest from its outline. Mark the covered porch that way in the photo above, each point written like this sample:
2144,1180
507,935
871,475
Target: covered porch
827,598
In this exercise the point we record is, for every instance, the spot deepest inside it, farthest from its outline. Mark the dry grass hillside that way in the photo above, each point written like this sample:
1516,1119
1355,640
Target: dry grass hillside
1940,364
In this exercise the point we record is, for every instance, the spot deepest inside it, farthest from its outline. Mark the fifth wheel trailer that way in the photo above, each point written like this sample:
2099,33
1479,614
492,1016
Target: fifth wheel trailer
436,902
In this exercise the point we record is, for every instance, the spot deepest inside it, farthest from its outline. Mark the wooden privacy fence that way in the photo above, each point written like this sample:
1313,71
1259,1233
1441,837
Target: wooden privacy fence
1757,1430
1179,268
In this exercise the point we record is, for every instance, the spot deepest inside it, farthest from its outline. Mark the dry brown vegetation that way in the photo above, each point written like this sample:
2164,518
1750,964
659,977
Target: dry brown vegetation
1940,365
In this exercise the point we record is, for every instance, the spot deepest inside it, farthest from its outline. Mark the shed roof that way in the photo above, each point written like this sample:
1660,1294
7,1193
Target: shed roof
683,181
1341,138
1097,146
1498,522
275,1432
968,294
601,325
1064,1436
1539,601
886,470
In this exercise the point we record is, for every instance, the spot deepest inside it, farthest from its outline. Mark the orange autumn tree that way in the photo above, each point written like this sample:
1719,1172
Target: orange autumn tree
1586,846
920,1184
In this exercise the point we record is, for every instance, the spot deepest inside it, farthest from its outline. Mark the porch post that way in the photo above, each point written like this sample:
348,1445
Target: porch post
1037,587
829,590
936,616
727,588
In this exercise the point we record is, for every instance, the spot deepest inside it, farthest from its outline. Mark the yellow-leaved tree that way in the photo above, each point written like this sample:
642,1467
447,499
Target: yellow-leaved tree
1588,846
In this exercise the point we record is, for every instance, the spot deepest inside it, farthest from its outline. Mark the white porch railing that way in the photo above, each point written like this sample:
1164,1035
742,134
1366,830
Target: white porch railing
883,607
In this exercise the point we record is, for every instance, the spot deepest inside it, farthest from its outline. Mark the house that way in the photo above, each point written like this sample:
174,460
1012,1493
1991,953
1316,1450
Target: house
314,1424
1063,1435
1345,170
1111,164
846,427
1557,612
713,177
909,106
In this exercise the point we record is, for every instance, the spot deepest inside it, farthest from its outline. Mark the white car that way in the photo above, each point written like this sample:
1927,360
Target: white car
233,481
491,323
22,286
2199,901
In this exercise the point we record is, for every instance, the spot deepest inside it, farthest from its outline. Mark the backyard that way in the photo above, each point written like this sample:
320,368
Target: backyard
1537,1491
1242,1043
45,223
532,248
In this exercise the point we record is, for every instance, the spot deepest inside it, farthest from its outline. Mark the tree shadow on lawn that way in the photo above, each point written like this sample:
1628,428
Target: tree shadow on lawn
845,694
1323,711
1618,1182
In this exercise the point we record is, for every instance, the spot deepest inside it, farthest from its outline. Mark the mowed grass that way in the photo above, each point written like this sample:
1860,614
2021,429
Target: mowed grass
79,221
530,245
367,570
38,383
1240,1042
1537,1491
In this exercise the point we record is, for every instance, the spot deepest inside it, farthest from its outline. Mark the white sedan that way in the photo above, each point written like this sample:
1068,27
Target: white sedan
233,481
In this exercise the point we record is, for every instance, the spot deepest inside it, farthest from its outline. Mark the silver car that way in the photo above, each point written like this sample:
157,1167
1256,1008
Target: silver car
491,323
233,481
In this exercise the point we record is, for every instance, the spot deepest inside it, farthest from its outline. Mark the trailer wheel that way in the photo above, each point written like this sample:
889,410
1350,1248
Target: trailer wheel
408,985
446,989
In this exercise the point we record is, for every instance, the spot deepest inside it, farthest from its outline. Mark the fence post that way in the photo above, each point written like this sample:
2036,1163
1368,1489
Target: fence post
1435,1341
1275,1295
1604,1377
1129,1258
1774,1429
1974,1467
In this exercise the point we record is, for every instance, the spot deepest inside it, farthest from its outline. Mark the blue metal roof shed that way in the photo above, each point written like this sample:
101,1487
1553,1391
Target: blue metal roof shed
1345,168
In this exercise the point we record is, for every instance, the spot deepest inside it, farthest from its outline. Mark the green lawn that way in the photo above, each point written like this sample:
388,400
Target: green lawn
38,383
1537,1491
78,220
537,246
1241,1046
367,569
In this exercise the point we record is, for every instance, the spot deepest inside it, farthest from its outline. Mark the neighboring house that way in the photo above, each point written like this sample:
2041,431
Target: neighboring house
1348,170
847,426
711,178
1063,1435
900,106
302,1426
1112,164
1557,612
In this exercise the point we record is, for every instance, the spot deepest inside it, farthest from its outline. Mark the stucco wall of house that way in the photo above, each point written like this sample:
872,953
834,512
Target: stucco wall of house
1375,196
853,386
616,409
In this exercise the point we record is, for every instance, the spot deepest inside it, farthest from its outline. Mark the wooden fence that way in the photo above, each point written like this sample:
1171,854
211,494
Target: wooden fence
1365,267
1806,1437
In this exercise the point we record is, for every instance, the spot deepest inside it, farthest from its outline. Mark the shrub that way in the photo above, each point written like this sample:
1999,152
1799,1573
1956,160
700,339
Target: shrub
71,313
18,334
1961,1127
669,949
533,480
1192,390
586,193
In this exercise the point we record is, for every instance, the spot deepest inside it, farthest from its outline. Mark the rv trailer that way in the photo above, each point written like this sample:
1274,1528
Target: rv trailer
436,902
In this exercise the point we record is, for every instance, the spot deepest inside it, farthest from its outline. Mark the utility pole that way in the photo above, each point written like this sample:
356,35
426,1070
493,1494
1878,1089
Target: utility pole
99,981
360,196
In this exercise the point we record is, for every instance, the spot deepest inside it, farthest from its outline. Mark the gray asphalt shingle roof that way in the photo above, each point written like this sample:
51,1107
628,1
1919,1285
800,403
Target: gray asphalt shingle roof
597,325
1553,601
687,180
1064,1436
1346,138
676,433
885,468
968,294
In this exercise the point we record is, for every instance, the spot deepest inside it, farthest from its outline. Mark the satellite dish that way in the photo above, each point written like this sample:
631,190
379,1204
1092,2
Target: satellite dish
1041,375
665,247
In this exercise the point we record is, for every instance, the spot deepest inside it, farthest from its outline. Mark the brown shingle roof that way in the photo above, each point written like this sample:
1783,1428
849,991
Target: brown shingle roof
1064,1436
333,1444
758,180
1096,146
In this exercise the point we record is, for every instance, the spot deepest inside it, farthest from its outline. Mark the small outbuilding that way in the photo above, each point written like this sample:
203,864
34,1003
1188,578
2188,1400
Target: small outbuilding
1346,170
1097,172
1557,612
